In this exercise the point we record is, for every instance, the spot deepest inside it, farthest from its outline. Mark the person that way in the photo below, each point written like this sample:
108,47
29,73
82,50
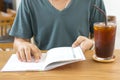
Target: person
53,23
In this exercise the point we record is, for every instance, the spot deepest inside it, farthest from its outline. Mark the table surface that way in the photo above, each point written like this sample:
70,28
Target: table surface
83,70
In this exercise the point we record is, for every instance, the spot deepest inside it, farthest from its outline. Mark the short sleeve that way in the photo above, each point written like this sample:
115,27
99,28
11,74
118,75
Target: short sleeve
22,24
95,15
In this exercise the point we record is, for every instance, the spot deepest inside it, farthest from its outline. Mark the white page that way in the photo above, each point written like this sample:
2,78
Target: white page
63,55
59,54
14,64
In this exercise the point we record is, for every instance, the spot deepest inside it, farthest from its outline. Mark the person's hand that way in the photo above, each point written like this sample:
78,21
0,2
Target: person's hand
26,50
83,42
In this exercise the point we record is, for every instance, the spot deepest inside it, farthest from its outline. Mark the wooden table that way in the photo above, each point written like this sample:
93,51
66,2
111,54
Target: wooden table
85,70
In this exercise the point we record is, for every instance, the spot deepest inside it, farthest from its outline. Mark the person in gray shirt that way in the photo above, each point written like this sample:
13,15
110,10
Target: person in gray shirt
54,23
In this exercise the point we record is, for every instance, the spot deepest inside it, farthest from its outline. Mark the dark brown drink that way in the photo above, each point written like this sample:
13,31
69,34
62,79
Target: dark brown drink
104,39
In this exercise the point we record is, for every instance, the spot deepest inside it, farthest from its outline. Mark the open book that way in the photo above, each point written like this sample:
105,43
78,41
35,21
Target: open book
55,57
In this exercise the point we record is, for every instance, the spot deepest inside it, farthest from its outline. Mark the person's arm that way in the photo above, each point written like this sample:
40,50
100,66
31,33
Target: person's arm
84,42
25,50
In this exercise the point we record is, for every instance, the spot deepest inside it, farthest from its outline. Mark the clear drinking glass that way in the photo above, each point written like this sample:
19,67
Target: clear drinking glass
104,36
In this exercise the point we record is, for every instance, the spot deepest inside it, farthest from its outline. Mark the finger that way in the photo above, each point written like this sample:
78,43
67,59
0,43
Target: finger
83,45
28,54
37,56
18,55
36,53
22,55
78,41
86,45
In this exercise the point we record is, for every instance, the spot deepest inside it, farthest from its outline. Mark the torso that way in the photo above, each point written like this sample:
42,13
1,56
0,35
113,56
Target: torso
50,26
60,25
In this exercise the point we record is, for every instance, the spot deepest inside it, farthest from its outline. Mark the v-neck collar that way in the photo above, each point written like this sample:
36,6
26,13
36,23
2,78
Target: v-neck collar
56,10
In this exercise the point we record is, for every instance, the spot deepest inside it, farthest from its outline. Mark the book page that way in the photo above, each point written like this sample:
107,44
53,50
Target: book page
63,55
59,54
14,64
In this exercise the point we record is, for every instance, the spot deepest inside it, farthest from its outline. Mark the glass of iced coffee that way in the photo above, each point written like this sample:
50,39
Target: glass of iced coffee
104,36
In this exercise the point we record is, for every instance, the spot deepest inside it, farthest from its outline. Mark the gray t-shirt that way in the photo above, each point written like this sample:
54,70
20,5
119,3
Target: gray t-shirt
53,28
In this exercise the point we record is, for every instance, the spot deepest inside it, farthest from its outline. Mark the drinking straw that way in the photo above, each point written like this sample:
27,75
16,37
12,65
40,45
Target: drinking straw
101,11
